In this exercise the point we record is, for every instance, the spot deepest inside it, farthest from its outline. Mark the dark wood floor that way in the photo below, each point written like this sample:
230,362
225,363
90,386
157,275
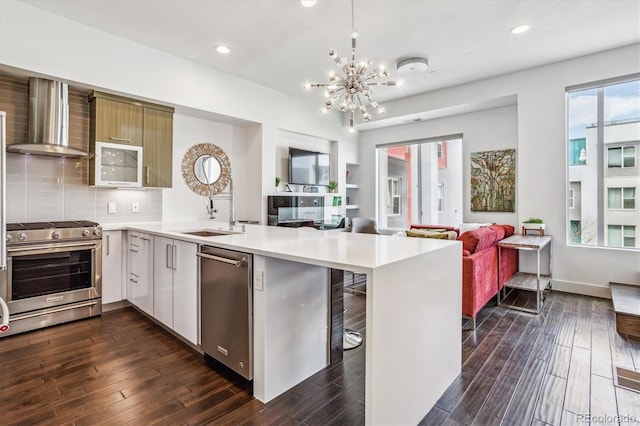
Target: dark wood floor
120,368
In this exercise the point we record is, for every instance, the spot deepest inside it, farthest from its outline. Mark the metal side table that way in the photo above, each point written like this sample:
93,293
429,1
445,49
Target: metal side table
537,282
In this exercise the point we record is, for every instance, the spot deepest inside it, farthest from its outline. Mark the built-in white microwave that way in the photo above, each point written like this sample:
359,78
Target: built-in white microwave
118,165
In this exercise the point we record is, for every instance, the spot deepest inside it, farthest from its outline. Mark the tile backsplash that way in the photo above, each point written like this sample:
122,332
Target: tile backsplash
50,188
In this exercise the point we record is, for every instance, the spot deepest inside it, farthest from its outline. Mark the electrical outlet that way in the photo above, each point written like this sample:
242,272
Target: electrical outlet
111,207
135,207
259,280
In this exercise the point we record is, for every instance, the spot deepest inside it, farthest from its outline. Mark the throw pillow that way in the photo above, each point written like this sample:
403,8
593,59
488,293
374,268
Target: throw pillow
427,234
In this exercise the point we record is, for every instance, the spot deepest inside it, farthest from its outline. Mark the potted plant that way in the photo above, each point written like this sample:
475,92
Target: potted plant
277,183
533,223
333,185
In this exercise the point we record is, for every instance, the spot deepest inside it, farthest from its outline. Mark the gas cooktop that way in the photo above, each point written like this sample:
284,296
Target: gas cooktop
28,226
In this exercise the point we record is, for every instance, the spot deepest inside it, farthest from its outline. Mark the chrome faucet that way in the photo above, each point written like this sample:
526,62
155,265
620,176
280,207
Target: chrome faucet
232,207
210,209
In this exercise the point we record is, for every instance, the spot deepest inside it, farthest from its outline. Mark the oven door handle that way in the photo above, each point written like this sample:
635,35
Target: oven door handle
51,248
18,317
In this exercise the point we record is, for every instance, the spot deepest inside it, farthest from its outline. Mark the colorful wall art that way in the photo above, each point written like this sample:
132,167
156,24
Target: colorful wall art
493,181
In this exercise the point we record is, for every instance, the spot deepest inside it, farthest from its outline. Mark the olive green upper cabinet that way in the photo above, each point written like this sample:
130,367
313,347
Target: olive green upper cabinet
157,148
120,120
115,119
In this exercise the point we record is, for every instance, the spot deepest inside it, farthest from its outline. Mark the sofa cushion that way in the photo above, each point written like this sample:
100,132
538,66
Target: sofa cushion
471,226
435,228
478,239
437,234
508,230
499,230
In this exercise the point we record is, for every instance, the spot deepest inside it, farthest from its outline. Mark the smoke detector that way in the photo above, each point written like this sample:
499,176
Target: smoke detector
412,65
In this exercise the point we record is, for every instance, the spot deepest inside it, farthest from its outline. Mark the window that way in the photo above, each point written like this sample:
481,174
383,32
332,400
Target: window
603,124
571,195
621,198
621,236
578,152
621,156
395,192
575,230
410,182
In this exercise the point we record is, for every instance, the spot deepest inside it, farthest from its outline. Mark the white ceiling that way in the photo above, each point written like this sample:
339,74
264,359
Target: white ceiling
280,44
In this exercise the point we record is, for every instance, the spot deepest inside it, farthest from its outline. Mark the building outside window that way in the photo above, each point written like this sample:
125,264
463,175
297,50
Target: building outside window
621,236
603,136
440,197
621,156
621,198
571,199
395,195
578,152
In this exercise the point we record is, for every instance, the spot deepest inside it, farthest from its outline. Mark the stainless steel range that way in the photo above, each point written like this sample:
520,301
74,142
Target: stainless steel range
53,274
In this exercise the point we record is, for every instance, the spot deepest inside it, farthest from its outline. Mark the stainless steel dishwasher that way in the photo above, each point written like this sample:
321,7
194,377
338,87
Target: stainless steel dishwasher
226,306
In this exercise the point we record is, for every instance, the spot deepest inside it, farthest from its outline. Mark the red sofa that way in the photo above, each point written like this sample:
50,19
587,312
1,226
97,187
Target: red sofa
480,264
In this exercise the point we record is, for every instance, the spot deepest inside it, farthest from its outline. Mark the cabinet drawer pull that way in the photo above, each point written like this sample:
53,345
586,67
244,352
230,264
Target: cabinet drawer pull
119,139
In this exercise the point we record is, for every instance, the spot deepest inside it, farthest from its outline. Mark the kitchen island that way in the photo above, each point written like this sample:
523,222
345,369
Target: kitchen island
413,333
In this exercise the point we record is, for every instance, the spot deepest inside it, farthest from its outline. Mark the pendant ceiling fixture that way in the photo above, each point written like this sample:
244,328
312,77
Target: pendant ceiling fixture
351,90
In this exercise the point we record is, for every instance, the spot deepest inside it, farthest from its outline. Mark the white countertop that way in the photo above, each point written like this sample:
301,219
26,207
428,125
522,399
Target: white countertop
341,250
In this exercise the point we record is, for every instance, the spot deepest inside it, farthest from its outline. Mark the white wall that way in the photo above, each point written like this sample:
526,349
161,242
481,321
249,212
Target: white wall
181,203
541,157
84,56
482,131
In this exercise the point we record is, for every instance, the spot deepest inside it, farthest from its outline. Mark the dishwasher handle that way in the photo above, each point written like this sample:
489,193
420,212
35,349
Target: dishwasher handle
233,262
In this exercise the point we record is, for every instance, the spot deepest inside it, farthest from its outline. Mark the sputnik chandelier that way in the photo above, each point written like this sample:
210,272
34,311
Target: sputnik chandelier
352,90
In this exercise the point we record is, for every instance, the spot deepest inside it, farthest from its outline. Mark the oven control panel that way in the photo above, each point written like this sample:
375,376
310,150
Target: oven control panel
50,234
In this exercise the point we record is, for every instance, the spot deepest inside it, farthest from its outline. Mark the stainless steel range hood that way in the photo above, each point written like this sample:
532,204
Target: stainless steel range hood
48,121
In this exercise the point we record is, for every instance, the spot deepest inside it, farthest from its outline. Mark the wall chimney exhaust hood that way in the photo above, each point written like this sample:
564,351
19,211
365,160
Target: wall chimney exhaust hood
48,121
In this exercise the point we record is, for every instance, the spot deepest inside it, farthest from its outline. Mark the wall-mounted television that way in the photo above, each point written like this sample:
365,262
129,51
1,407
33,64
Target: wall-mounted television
308,168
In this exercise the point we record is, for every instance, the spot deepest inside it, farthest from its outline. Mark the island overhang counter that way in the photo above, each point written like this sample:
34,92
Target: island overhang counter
413,306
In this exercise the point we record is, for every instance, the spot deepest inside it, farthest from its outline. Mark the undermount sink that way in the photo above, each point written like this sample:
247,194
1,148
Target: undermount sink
206,233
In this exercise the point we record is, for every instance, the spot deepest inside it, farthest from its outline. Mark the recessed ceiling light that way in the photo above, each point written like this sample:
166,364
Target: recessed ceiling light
519,29
308,3
223,49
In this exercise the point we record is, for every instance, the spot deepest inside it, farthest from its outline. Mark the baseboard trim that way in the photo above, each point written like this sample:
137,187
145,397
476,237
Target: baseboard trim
115,305
581,288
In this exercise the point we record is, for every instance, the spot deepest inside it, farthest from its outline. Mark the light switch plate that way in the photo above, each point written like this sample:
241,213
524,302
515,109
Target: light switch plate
135,207
111,207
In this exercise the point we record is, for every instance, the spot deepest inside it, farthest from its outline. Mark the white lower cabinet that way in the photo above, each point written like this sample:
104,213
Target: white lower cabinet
140,271
112,290
175,286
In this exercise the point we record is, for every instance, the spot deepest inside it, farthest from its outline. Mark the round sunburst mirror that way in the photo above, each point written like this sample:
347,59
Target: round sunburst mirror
206,169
